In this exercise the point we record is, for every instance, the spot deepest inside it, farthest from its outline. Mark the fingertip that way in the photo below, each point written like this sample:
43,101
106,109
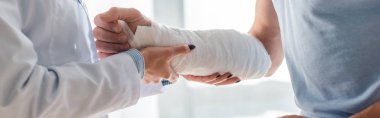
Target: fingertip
116,28
229,76
104,17
178,50
216,75
184,49
238,81
191,46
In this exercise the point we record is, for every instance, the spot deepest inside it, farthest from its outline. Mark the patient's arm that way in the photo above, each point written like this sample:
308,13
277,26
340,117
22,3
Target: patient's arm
266,29
218,50
113,45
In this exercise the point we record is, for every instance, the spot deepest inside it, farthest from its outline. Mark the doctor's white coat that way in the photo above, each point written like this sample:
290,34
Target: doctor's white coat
49,67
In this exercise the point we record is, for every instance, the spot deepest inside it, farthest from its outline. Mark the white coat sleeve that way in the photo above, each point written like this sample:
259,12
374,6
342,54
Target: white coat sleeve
147,90
73,90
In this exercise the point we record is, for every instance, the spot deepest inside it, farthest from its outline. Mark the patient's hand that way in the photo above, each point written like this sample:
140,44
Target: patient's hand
214,79
109,33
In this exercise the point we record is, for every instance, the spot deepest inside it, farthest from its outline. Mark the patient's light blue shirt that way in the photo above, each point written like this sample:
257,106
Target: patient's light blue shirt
332,49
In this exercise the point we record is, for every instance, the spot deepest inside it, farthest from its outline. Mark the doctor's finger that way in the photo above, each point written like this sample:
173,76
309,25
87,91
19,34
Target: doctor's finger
173,78
229,81
110,47
113,26
151,79
173,75
103,55
126,14
180,50
107,36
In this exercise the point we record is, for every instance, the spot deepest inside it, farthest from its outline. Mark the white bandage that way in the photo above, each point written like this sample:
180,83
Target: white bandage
216,50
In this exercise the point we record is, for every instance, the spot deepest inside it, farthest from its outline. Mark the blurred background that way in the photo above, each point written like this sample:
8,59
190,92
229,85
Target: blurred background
263,98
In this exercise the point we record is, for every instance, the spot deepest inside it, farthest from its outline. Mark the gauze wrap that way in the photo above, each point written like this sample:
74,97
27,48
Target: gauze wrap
216,50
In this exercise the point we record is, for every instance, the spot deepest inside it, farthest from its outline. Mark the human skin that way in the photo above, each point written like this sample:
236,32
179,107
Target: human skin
265,28
157,62
111,40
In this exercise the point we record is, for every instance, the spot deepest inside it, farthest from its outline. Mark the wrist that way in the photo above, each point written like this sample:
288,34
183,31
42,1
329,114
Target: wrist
138,58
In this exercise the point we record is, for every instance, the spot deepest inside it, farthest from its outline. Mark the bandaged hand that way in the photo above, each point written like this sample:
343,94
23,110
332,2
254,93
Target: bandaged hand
218,51
110,38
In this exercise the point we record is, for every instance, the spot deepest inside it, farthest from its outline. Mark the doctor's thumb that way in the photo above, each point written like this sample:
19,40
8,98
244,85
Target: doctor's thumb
181,49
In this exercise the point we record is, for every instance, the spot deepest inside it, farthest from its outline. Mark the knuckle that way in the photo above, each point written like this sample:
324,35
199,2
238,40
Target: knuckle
119,48
97,19
166,75
98,45
127,45
113,10
170,51
121,37
101,55
104,47
134,10
96,32
124,47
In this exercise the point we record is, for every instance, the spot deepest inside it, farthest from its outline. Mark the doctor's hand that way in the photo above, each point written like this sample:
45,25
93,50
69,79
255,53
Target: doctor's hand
109,33
214,79
157,62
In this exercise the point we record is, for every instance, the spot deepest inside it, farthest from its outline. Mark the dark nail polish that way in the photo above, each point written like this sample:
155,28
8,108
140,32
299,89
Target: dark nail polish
229,76
217,76
237,81
191,46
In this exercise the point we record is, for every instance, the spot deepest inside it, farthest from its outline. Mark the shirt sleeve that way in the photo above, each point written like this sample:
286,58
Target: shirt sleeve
67,91
147,90
139,61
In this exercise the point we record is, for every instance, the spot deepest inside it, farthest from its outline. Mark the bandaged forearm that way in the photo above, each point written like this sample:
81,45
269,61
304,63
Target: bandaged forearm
217,51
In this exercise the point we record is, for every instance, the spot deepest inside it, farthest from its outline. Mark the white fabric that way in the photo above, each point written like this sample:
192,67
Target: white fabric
48,65
147,90
216,50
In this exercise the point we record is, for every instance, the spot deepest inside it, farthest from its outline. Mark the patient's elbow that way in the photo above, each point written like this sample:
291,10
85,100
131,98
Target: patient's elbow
276,60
